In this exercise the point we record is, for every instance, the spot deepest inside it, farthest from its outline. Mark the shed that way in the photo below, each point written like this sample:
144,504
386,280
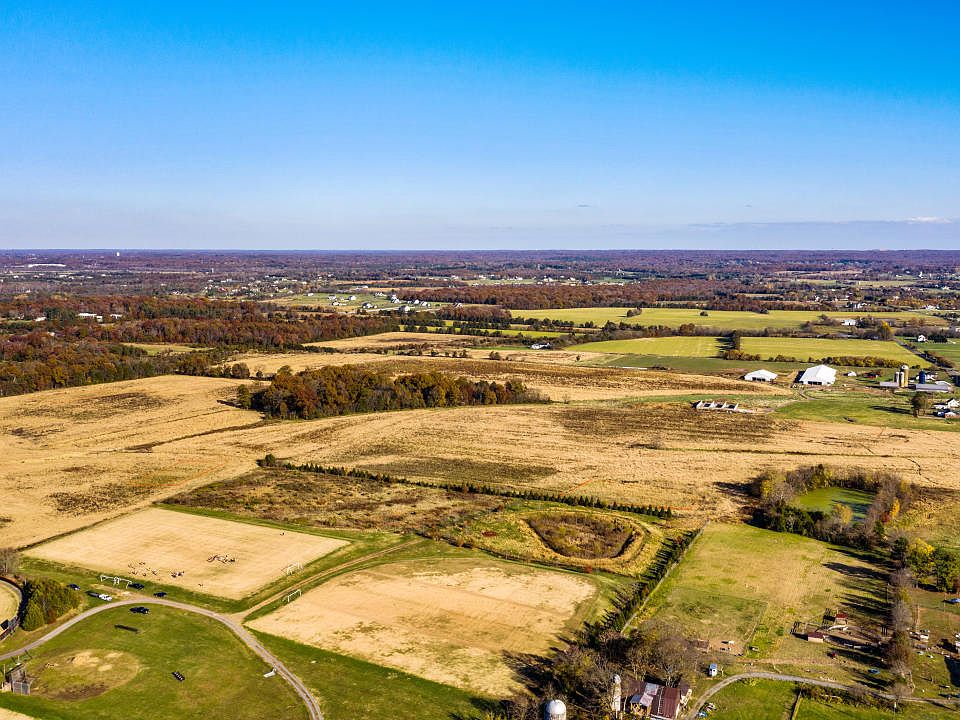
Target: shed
760,376
816,636
818,375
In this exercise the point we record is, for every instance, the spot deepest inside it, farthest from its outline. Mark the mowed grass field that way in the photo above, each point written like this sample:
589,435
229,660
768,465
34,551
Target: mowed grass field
763,699
449,620
725,319
203,554
95,670
730,586
681,346
813,349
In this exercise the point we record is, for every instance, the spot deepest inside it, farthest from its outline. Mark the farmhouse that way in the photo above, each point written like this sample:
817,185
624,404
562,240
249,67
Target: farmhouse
818,375
849,322
637,698
760,376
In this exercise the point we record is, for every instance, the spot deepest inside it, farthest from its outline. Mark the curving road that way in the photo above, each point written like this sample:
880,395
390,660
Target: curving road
313,709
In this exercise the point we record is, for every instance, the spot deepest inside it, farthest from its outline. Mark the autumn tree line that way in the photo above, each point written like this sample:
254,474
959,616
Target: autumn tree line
776,489
346,389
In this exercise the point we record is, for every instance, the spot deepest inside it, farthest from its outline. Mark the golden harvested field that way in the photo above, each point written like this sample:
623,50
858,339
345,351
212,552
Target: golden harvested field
392,340
269,363
208,555
77,455
663,454
563,382
9,601
72,457
446,620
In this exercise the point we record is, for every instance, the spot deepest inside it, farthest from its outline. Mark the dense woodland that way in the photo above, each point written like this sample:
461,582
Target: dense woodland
347,389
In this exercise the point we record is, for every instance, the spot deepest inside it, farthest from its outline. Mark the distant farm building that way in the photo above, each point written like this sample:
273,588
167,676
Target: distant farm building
716,405
818,375
849,322
815,636
760,376
637,698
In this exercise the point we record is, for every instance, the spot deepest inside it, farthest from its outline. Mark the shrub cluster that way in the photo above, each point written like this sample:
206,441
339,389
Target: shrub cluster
44,600
343,390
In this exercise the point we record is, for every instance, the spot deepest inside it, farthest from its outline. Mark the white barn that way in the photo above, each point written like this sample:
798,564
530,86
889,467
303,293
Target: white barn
818,375
760,376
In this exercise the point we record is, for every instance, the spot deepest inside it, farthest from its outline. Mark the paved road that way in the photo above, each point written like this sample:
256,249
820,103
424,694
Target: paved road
763,676
313,709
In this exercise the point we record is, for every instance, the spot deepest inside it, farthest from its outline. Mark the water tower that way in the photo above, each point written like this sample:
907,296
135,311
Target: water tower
555,710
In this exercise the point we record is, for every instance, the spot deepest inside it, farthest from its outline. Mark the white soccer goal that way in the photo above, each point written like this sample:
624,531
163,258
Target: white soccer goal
292,568
117,581
290,597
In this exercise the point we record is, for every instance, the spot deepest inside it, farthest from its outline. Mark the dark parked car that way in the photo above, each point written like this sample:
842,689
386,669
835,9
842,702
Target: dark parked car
160,594
136,586
73,586
140,610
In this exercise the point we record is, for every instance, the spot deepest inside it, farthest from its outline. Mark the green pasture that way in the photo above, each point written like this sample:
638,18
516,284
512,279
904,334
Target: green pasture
813,349
890,410
222,677
723,319
823,499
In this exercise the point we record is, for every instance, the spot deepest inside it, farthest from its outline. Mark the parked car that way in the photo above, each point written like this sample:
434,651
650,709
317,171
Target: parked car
136,586
140,610
73,586
105,597
160,594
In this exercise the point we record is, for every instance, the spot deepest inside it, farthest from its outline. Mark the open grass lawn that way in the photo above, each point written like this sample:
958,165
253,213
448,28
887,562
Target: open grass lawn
94,670
824,499
351,688
725,319
682,346
813,349
732,581
867,408
949,350
772,700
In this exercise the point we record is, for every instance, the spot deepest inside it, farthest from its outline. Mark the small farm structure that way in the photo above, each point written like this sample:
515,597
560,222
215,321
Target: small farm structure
760,376
716,405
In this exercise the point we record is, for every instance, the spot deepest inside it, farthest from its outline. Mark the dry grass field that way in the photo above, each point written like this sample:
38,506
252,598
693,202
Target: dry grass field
12,715
203,554
393,340
9,601
563,382
446,620
269,363
77,455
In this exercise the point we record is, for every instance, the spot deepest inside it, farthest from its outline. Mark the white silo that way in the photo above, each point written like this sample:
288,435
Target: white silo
555,710
616,700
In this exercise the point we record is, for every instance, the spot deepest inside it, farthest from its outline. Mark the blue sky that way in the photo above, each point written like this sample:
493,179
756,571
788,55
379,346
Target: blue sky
485,125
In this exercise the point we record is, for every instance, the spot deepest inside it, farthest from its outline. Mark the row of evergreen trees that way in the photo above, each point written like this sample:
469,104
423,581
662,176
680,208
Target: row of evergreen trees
657,511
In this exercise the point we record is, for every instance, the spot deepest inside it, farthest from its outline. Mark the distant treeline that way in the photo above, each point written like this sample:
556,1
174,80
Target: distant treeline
866,361
343,390
475,488
34,362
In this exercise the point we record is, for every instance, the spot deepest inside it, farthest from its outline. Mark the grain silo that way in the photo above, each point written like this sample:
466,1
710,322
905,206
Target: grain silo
555,710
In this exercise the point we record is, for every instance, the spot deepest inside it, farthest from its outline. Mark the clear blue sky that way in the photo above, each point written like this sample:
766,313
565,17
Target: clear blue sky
431,125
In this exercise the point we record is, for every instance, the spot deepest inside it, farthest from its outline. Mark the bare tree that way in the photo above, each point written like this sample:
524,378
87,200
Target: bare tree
9,561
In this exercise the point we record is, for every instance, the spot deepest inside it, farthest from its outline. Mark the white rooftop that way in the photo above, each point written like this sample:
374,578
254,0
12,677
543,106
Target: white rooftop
820,374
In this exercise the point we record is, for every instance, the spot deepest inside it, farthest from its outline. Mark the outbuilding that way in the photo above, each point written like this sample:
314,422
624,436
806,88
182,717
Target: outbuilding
760,376
818,375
